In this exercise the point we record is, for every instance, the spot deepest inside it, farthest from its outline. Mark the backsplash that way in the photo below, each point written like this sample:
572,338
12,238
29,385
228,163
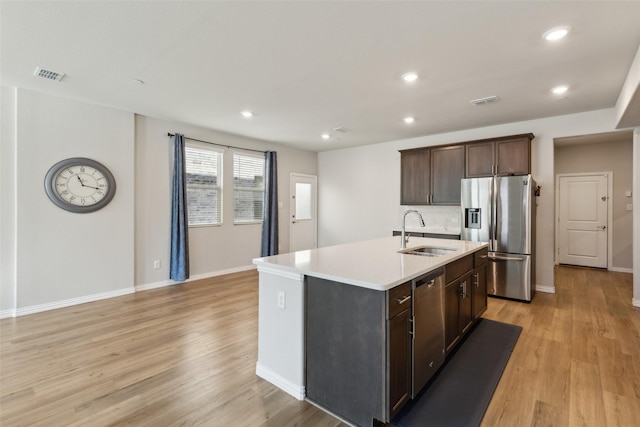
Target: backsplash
436,218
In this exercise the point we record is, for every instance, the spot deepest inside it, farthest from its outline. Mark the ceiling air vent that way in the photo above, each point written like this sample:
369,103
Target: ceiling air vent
342,130
46,74
483,101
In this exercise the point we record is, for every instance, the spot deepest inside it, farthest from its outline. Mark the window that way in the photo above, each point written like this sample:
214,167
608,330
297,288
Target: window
248,187
204,185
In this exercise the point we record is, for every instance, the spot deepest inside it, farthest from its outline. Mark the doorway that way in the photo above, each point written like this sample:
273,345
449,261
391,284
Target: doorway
583,212
303,217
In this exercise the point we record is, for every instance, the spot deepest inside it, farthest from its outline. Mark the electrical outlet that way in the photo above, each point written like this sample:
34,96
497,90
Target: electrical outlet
281,300
156,264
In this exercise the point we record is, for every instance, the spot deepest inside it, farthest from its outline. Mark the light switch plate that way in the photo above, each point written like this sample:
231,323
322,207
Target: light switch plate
629,207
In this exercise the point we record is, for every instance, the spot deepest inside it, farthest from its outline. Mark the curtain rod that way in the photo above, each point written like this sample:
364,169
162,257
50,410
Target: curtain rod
169,134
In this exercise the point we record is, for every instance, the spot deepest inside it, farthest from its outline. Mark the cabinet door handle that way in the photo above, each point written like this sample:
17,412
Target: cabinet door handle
477,279
463,289
402,300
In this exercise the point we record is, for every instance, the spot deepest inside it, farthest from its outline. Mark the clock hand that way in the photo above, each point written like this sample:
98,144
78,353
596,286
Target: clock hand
88,186
81,183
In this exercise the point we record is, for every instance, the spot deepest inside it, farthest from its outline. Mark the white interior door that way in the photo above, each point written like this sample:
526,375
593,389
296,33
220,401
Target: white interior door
582,220
303,204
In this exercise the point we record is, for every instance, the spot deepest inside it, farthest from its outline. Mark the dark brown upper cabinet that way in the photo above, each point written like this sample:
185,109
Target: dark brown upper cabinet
510,155
431,176
415,182
447,169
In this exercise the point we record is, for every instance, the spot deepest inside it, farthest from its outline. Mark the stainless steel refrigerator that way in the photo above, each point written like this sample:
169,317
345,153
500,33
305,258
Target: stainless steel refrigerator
501,210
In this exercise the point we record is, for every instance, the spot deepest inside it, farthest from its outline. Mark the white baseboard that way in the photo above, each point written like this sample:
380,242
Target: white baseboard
622,270
72,301
546,289
635,302
7,313
162,284
295,390
97,297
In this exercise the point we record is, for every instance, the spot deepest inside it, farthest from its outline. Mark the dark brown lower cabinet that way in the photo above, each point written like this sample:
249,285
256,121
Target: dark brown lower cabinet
479,283
458,310
479,290
451,315
399,361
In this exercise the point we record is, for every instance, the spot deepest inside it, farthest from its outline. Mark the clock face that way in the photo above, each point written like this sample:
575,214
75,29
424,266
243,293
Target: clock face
80,185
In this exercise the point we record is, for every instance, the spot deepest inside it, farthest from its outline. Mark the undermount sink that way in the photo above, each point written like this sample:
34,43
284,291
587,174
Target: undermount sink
432,251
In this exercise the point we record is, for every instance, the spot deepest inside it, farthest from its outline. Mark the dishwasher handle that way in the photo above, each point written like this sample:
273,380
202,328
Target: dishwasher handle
428,279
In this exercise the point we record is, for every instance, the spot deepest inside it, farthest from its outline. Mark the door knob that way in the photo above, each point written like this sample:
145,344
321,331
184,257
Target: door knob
601,227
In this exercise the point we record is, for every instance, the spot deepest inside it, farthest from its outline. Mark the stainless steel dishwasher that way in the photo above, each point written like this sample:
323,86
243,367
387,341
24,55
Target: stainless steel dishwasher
428,327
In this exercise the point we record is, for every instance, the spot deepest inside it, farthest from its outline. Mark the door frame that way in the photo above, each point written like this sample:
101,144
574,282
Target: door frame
292,191
609,176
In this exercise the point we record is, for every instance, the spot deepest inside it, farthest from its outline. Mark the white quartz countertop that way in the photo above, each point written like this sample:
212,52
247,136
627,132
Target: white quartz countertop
374,264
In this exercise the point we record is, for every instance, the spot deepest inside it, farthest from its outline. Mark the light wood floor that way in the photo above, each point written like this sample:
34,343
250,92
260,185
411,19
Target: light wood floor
185,355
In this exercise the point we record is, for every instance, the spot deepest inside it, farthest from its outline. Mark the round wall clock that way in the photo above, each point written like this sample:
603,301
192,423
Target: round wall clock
80,185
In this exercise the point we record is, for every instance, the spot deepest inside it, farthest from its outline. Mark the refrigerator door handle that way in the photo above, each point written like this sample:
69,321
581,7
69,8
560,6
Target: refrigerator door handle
493,244
505,258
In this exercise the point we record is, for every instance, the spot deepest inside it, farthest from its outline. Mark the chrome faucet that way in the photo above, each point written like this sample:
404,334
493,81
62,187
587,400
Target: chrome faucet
404,220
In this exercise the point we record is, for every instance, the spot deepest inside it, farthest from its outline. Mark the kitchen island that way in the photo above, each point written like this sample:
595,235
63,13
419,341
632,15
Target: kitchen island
337,299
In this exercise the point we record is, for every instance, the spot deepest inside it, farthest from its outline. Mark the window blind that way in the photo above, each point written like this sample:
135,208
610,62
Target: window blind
248,183
204,185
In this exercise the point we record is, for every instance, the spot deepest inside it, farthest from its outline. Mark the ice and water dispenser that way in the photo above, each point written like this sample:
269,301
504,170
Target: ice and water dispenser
472,218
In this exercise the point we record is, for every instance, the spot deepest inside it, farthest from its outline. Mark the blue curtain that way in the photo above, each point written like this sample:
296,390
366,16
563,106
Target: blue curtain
270,222
179,269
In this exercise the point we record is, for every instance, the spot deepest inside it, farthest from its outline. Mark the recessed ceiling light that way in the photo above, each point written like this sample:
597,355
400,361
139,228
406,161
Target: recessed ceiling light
138,81
410,77
409,120
556,33
559,90
325,136
246,114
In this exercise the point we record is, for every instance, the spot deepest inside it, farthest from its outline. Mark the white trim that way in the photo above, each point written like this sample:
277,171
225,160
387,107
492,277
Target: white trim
112,294
72,301
270,269
635,302
546,289
292,206
295,390
622,270
609,176
164,283
7,313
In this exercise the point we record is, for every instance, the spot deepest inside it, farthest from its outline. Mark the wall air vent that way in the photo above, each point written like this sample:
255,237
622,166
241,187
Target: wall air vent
484,101
46,74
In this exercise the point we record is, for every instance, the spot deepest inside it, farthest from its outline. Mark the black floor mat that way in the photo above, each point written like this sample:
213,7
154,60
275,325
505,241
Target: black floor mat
460,393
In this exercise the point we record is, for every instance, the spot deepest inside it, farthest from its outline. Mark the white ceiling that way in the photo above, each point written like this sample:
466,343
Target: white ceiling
308,67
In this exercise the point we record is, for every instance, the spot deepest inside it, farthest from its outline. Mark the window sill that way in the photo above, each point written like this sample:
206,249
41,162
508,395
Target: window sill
248,223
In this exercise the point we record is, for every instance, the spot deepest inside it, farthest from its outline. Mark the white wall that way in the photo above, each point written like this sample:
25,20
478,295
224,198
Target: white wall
52,258
359,188
616,157
7,201
61,257
636,217
218,249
